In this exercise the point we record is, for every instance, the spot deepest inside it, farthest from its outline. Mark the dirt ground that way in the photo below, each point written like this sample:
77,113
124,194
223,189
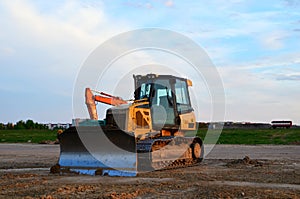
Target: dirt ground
24,173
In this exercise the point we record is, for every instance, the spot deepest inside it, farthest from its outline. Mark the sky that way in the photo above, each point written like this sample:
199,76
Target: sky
254,46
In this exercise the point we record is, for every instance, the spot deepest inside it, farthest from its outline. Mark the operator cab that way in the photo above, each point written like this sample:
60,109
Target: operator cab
168,98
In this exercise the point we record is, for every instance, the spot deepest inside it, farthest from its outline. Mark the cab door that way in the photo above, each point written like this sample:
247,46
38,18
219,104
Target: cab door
162,105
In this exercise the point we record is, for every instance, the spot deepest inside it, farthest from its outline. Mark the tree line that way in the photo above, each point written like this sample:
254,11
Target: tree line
28,124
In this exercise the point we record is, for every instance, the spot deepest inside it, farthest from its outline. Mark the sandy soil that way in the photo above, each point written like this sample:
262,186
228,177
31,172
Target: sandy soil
24,173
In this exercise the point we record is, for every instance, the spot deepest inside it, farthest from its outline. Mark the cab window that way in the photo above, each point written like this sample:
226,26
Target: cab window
182,97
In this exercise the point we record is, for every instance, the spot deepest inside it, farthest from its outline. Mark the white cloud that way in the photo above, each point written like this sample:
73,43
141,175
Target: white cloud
54,43
70,26
143,5
274,40
41,52
263,90
169,3
268,63
7,51
292,77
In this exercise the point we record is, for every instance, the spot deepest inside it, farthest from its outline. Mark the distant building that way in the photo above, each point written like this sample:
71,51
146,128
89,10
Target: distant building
281,124
58,126
238,125
215,125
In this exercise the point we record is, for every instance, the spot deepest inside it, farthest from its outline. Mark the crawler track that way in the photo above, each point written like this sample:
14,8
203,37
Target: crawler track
169,153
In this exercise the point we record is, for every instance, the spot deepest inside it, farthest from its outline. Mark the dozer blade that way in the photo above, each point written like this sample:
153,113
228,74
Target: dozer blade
95,150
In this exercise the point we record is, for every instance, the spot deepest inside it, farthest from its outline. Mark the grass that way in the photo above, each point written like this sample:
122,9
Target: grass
228,136
252,136
26,135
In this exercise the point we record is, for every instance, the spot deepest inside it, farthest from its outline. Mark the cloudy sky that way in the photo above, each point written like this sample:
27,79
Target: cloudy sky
255,46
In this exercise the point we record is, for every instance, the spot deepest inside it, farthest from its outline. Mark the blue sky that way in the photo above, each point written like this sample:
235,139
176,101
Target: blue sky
253,44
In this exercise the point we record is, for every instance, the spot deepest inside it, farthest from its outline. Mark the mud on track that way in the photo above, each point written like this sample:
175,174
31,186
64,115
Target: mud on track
269,172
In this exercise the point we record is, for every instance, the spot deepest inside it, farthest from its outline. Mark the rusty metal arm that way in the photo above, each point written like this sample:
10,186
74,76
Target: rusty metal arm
91,99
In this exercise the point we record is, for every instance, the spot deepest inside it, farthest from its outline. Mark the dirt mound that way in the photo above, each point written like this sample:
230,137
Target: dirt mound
245,161
49,142
295,143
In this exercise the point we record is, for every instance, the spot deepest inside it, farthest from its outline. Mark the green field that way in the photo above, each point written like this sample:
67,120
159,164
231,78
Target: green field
254,136
228,136
27,135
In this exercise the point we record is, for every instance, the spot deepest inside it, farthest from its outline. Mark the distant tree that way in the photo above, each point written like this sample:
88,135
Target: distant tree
10,125
20,125
44,126
39,126
2,126
29,124
202,125
36,125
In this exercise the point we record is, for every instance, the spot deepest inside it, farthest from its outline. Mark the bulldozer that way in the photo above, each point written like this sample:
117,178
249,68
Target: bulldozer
151,132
